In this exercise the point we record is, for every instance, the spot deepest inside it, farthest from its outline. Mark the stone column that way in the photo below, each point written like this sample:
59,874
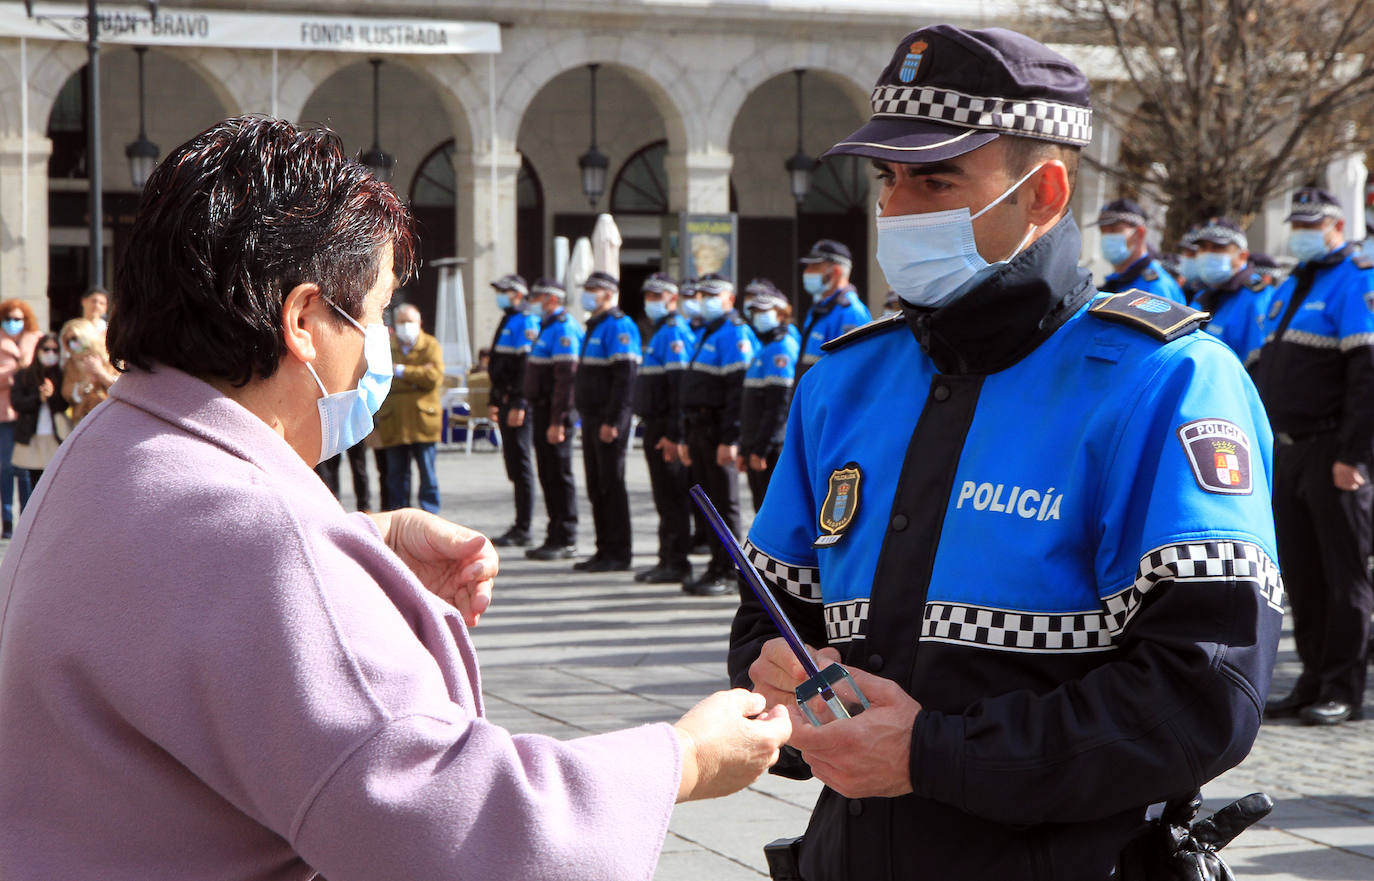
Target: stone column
24,222
699,182
486,232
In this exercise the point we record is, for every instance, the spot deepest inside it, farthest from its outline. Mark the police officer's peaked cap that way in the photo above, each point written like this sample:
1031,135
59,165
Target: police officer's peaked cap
1260,260
1122,211
1222,231
511,282
1311,204
1189,238
948,91
548,286
688,286
829,251
602,280
761,295
713,285
659,283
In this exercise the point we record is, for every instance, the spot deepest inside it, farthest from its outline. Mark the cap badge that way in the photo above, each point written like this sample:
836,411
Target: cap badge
841,504
911,65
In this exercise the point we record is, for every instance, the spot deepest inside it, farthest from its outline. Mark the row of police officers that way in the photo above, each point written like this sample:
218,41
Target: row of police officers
711,386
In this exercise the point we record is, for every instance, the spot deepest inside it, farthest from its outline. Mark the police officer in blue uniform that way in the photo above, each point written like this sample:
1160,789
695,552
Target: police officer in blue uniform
550,371
656,401
712,389
1187,265
515,336
1124,228
1316,375
835,305
610,357
1040,536
1235,294
689,304
767,385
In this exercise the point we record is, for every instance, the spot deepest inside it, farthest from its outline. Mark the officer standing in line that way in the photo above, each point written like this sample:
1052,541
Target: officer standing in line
656,401
1187,265
610,356
515,336
689,302
550,371
1124,229
1040,539
1316,374
1236,296
767,385
712,387
835,305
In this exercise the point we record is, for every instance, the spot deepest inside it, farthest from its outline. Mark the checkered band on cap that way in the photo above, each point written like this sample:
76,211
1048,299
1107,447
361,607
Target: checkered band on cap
1129,217
1032,118
1314,210
659,286
712,287
1220,234
541,288
764,300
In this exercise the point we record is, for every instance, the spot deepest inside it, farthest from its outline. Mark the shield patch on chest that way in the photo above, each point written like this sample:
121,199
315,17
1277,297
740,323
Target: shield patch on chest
1219,452
841,504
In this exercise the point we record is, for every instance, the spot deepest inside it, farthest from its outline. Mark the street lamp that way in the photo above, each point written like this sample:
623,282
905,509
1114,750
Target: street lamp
593,163
142,152
800,166
377,159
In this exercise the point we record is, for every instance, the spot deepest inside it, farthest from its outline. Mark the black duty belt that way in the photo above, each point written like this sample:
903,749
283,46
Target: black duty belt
1316,429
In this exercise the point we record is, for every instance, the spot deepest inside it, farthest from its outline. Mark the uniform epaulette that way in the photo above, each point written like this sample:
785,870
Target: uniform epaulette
617,313
1258,284
864,330
1163,319
737,319
1150,275
1363,261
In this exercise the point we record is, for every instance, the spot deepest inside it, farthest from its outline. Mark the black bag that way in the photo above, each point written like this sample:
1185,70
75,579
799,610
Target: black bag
1175,848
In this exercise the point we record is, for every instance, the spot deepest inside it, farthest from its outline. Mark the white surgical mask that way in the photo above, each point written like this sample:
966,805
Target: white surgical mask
930,258
655,310
588,301
692,307
1214,268
814,283
712,308
503,302
1114,247
1187,267
408,332
1307,244
765,321
47,359
346,416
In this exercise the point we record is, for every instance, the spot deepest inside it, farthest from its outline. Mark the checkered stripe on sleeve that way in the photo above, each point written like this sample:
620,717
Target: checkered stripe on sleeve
802,582
846,621
1098,630
1042,119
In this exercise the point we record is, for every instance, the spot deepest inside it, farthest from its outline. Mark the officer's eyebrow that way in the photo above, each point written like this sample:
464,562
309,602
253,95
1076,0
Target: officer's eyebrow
947,169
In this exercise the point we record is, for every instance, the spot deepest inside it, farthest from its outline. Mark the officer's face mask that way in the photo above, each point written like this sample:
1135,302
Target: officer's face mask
503,302
1214,267
712,307
815,283
1187,267
765,321
691,307
932,259
1115,249
655,310
346,417
1307,244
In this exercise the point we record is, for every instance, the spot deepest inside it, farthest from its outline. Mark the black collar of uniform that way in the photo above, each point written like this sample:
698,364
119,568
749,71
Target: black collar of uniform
1234,283
666,319
596,320
1012,311
839,298
773,335
1132,272
550,319
1336,256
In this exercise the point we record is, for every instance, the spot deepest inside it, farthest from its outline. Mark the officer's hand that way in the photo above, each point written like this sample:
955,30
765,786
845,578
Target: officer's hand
728,741
556,434
515,418
739,463
1347,477
726,454
776,672
757,463
868,755
609,433
493,413
668,449
684,455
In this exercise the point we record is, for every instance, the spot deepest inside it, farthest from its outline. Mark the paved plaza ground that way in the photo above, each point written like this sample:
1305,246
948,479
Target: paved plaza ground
567,654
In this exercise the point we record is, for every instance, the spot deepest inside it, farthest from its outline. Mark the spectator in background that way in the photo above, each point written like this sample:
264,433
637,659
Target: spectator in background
18,335
42,420
409,423
95,306
88,374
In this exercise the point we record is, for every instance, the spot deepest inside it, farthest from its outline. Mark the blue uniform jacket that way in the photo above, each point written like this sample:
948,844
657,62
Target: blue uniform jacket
1316,370
832,317
713,383
605,380
1238,307
768,393
514,338
1145,274
658,389
552,365
1054,531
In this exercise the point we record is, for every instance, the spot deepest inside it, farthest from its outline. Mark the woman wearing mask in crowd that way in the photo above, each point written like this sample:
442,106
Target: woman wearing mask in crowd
42,420
18,335
87,378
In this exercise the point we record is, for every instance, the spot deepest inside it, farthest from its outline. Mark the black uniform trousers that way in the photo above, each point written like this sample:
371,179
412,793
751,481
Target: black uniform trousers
758,480
669,483
518,451
357,464
554,462
604,465
722,488
1324,543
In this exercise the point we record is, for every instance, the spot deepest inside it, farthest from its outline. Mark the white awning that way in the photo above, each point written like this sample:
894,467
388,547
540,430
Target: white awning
220,29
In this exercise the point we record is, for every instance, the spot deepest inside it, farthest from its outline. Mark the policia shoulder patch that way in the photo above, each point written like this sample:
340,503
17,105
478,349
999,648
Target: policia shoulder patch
1219,452
841,504
1163,319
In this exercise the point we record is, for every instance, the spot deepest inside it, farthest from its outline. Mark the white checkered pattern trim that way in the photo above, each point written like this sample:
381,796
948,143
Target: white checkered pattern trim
763,381
1355,340
1314,340
1098,630
846,621
1042,119
1216,233
802,582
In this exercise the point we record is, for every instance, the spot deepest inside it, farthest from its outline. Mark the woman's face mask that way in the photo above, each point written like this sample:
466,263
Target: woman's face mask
346,416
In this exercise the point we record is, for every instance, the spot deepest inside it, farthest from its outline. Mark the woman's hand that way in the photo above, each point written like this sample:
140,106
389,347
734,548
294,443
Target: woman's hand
455,563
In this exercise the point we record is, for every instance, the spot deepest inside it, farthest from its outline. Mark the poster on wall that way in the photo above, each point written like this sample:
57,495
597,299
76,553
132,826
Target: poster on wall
699,244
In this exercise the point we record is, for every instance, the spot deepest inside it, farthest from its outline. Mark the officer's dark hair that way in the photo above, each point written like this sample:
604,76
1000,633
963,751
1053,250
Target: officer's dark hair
229,223
1022,153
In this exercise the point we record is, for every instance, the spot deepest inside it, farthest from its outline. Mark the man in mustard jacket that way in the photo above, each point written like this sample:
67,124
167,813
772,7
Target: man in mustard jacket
409,422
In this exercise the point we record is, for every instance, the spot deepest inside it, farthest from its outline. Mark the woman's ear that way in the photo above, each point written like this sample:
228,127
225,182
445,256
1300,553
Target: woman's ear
300,320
